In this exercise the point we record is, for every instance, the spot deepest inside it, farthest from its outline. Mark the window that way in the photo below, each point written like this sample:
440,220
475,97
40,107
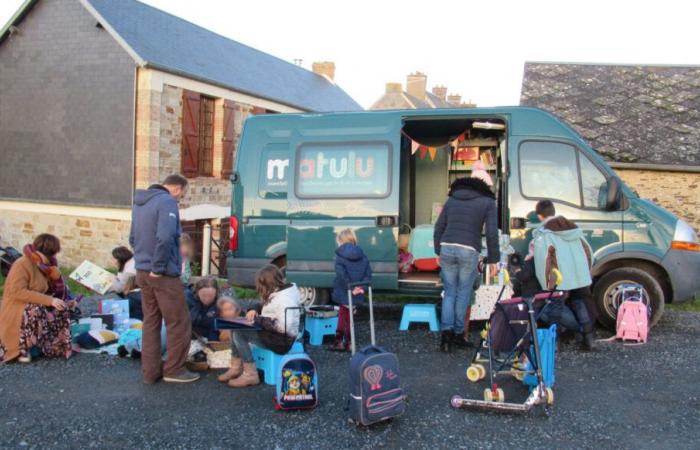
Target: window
593,183
273,179
197,135
549,170
349,169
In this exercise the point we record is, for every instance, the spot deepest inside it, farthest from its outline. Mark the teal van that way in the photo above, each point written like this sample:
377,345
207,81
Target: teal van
301,178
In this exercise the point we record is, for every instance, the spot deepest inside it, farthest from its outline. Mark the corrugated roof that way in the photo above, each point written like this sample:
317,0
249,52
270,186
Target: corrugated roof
629,113
160,40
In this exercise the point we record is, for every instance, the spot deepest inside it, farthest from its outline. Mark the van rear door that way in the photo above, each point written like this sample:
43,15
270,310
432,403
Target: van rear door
345,175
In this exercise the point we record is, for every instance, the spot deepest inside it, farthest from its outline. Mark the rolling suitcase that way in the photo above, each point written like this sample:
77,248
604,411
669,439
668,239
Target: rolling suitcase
375,388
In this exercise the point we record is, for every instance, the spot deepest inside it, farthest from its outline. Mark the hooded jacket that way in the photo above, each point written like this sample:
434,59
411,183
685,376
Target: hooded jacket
470,205
155,231
560,244
279,319
351,266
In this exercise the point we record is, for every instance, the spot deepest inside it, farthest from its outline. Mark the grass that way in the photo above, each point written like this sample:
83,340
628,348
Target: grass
693,306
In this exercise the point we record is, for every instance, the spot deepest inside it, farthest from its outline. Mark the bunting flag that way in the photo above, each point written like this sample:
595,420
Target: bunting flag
423,151
433,152
414,147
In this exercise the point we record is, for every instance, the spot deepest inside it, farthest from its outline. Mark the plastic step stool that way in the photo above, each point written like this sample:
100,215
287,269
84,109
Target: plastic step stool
319,327
425,313
268,361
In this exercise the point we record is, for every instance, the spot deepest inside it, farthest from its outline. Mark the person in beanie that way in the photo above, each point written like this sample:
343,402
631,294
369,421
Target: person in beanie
351,266
559,244
457,240
155,238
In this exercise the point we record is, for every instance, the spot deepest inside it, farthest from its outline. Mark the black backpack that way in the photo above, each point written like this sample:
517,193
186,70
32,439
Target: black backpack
8,255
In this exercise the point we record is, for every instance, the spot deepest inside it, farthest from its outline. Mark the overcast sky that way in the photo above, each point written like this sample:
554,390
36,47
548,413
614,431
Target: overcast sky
476,49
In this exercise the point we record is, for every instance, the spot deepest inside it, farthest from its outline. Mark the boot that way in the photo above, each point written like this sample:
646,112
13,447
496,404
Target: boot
588,338
338,345
460,340
446,338
249,377
235,370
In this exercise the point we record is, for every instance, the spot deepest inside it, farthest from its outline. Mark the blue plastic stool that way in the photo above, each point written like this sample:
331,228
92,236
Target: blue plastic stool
426,313
319,327
268,361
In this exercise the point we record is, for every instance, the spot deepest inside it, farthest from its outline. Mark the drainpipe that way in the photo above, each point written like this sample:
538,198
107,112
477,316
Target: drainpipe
206,249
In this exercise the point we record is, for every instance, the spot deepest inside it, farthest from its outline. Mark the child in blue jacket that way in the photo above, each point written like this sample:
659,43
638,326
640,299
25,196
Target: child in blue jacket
351,266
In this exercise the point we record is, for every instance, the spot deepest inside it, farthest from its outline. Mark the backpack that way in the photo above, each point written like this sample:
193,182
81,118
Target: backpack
297,383
8,255
632,315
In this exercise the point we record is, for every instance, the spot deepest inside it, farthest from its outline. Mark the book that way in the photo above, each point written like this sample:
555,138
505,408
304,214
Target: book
93,277
487,158
466,154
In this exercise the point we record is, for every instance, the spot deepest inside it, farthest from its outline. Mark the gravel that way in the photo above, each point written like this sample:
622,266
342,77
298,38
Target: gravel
619,397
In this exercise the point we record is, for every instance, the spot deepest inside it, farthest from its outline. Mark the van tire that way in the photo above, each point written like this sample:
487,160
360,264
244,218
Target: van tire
606,286
309,296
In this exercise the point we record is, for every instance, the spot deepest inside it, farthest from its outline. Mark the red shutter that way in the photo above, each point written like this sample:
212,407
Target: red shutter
227,140
258,110
190,133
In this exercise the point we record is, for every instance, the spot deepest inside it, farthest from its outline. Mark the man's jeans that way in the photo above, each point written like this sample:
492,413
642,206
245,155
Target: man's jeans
459,269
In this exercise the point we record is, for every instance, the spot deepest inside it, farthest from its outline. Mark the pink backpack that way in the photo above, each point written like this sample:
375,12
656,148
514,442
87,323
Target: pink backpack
632,315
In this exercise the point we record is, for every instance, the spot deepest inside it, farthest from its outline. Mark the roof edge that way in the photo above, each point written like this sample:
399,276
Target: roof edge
574,63
112,32
17,17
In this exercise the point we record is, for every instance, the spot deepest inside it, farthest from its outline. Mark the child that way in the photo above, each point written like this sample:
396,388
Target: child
351,266
187,253
125,267
228,310
202,306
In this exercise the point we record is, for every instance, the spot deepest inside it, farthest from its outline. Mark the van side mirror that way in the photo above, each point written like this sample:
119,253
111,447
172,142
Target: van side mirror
235,178
614,194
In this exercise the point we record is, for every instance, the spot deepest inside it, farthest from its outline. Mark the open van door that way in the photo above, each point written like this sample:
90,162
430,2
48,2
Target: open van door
345,174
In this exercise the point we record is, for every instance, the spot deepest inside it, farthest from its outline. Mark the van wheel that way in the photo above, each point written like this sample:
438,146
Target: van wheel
309,296
608,294
313,296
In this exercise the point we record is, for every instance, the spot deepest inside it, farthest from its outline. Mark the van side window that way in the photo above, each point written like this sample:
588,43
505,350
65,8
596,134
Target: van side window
549,170
594,184
343,170
273,179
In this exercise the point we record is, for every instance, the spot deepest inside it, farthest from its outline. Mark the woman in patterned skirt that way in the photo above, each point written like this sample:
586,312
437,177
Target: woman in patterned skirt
35,307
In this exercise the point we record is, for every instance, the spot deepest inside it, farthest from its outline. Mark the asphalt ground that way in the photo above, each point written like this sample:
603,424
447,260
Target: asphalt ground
621,396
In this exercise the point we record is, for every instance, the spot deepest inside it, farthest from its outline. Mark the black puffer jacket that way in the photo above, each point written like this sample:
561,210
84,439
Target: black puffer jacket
471,204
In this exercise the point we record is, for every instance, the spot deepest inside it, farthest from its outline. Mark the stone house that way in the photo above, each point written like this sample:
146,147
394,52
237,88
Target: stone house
101,97
417,97
644,119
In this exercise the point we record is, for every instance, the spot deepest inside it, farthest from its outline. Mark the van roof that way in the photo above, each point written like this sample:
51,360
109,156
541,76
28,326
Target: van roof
521,120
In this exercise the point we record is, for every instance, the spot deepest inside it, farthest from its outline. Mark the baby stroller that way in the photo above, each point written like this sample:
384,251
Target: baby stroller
508,346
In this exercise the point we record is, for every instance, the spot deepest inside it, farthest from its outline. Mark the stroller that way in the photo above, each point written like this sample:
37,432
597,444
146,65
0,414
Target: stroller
512,348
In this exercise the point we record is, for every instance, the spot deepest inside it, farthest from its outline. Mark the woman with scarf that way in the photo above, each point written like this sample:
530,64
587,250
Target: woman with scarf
35,305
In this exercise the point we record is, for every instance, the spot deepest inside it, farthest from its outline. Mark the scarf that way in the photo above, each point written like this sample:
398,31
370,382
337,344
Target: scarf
57,285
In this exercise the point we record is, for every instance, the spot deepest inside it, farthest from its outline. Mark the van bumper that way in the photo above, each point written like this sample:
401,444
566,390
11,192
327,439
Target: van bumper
241,271
683,268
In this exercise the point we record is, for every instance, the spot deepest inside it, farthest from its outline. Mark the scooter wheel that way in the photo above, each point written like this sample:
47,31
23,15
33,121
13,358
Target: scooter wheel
456,401
550,396
500,396
473,373
482,371
488,395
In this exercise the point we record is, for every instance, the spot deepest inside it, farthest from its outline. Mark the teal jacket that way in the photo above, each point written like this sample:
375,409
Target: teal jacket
560,244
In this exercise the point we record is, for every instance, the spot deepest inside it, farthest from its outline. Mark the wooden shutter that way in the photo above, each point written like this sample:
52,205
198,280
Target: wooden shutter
227,139
258,110
190,133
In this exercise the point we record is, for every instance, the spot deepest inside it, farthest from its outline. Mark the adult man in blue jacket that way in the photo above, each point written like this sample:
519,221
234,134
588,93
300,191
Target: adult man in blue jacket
155,238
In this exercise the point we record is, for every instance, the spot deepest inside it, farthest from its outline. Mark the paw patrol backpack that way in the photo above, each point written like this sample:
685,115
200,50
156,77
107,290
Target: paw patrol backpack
297,383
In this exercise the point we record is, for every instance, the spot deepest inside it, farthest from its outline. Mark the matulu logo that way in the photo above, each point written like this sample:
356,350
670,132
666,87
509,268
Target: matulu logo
351,166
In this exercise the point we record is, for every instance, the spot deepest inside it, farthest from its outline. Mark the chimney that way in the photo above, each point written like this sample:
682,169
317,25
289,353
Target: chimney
440,92
325,68
394,88
454,99
416,84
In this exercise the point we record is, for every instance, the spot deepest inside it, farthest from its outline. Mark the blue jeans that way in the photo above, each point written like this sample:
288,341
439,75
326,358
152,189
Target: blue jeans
459,269
574,316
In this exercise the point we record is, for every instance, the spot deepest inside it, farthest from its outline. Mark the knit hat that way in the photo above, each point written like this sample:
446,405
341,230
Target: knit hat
479,171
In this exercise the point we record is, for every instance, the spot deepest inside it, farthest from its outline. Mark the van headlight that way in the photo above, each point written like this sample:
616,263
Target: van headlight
685,238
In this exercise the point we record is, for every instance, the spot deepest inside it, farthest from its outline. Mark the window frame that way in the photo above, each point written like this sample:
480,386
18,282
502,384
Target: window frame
390,169
578,154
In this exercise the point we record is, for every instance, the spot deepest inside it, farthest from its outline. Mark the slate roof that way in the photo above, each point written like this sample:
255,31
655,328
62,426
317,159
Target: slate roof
166,42
400,100
629,113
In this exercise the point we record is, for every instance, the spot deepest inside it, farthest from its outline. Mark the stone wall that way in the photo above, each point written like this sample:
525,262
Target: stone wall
81,237
678,192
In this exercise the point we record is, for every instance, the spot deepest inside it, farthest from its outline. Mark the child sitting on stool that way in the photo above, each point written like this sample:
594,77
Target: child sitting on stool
351,266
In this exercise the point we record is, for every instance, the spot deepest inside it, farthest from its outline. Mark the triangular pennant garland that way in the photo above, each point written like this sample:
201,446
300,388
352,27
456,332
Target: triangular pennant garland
423,152
433,152
414,147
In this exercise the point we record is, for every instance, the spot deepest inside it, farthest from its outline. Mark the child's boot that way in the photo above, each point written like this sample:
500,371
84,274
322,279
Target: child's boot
249,377
235,370
338,343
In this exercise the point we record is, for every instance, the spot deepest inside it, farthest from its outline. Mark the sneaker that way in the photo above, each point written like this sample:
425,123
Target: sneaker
25,359
185,377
